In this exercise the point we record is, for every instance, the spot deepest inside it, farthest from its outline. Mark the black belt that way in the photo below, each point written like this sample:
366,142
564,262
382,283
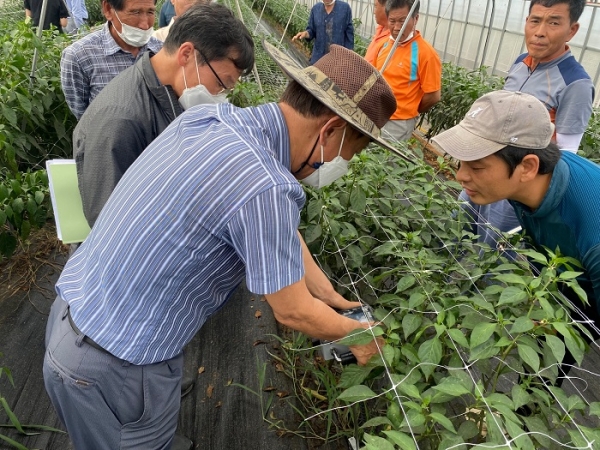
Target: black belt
86,339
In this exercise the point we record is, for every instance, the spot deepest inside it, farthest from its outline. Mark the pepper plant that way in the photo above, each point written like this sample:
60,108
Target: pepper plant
474,340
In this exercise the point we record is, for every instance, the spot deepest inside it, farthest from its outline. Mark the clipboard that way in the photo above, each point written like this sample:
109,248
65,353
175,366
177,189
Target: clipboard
71,225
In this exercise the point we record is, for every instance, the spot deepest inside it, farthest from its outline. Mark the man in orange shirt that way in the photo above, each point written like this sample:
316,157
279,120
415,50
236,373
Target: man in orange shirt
414,71
381,31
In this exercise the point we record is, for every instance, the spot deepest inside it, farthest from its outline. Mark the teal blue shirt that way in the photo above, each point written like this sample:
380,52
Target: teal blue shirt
569,217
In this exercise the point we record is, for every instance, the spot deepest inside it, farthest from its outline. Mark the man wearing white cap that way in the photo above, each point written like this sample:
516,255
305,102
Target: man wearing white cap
505,152
212,200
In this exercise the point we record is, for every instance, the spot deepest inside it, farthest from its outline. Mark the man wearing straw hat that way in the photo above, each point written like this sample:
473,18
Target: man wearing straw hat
214,199
505,152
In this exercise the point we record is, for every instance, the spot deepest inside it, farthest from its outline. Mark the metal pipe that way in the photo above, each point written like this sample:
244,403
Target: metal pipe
504,25
487,8
449,30
462,40
487,39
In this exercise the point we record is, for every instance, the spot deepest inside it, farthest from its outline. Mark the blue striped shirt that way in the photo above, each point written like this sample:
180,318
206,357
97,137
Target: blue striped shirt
210,201
89,64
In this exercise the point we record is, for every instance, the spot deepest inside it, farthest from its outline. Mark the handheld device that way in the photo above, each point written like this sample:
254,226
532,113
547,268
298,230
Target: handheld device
341,353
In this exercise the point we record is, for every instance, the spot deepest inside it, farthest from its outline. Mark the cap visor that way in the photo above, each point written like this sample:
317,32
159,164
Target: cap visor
464,145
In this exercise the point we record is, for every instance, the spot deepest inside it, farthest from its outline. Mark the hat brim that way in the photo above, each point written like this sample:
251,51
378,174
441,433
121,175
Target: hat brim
464,145
325,90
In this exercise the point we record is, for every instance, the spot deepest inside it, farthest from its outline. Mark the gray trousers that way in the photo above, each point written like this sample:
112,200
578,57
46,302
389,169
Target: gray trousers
107,403
400,130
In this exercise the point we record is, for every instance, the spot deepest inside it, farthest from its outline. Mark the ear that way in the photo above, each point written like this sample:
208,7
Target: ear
185,53
332,125
107,11
529,168
573,31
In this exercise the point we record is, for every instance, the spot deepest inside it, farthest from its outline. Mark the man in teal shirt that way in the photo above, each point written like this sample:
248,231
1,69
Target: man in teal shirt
505,152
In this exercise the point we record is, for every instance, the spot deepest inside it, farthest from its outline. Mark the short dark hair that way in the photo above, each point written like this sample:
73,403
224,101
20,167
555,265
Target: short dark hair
513,156
575,6
381,2
216,32
303,102
118,5
390,5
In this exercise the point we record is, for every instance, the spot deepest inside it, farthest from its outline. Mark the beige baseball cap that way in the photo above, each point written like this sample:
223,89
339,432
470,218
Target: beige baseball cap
495,120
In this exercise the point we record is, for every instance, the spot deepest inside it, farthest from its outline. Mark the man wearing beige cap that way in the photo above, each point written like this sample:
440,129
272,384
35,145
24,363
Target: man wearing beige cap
505,152
212,200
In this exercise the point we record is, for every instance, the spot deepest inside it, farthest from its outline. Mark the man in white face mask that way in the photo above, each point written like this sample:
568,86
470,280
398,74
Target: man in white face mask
92,62
205,54
414,70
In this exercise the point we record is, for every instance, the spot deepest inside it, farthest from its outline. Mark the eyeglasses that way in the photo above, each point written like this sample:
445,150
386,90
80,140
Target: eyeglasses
224,89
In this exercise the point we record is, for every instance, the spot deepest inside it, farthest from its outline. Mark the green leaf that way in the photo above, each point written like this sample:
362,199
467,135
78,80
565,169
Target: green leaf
511,278
414,418
568,275
410,324
377,443
357,394
430,352
595,409
468,429
39,197
18,205
529,356
9,114
512,294
481,333
3,192
484,351
521,439
376,421
416,299
312,233
519,396
557,346
409,389
405,282
358,200
353,375
539,429
522,325
443,421
402,440
313,209
458,337
452,386
573,346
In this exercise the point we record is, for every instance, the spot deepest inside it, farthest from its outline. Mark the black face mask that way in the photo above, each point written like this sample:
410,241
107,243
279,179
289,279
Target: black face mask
305,163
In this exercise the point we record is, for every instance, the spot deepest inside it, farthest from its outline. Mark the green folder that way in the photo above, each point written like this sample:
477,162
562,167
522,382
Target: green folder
71,226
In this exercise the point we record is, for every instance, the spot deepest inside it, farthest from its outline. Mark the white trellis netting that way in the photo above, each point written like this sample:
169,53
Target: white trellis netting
271,77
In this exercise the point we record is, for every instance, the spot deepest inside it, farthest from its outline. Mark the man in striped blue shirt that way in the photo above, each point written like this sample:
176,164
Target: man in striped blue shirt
215,198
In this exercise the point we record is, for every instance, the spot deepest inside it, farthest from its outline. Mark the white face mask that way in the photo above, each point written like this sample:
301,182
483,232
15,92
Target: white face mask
408,38
136,37
198,95
330,171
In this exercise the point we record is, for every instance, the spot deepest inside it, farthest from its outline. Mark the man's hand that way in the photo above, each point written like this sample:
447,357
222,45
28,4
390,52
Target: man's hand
301,35
336,301
363,353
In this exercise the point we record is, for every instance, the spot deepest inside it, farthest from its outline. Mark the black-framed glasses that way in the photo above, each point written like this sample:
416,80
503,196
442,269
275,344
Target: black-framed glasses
223,87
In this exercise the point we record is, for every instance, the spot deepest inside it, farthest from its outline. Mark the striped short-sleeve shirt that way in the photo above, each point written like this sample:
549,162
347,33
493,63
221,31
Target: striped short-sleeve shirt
210,201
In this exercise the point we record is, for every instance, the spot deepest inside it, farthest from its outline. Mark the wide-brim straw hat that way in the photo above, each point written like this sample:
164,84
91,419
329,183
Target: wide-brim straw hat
348,85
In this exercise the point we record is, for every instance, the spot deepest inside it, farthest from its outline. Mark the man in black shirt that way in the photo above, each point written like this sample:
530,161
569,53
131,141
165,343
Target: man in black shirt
56,13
